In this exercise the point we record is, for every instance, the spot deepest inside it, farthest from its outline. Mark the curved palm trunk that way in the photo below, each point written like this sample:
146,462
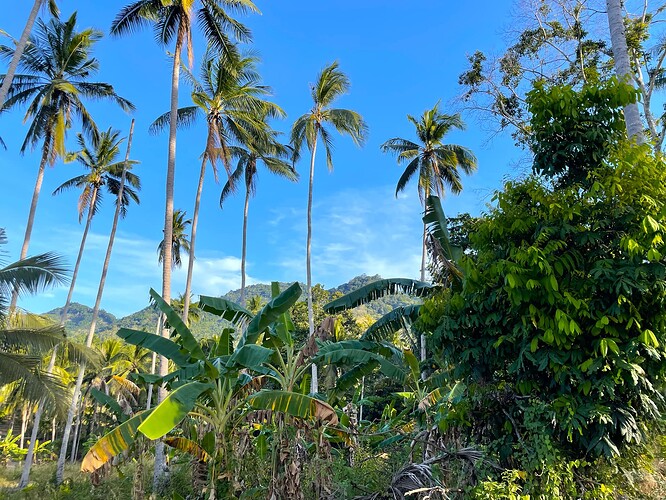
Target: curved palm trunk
622,65
244,244
33,209
63,315
314,383
193,237
159,474
20,47
27,465
60,470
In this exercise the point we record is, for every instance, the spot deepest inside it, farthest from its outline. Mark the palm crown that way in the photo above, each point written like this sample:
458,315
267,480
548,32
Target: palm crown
103,170
58,65
437,163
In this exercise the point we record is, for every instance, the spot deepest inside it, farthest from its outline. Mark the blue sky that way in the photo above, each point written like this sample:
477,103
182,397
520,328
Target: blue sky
401,58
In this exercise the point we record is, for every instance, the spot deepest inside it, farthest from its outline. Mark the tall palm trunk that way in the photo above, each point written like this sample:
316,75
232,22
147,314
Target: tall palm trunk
18,52
60,470
314,383
244,244
158,329
622,65
423,276
84,237
27,465
160,472
46,149
193,237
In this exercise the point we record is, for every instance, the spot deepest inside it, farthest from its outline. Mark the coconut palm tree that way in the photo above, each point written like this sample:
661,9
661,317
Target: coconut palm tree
120,210
623,65
438,165
103,171
265,149
21,44
331,84
58,66
179,241
230,97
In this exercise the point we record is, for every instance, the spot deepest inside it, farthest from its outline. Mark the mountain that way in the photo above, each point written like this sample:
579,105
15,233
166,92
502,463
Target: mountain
79,316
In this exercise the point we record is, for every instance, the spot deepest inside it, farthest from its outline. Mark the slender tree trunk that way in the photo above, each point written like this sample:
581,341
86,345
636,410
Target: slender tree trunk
244,244
314,383
33,209
84,237
77,429
27,465
160,472
193,237
25,413
622,65
158,329
423,254
18,52
60,470
53,429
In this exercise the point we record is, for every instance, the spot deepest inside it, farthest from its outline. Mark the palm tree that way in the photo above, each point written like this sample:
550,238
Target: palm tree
174,20
331,84
437,163
229,96
21,44
623,65
58,67
120,210
179,240
103,171
261,148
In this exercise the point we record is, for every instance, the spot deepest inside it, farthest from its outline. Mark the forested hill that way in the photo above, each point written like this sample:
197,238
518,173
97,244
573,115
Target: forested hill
79,316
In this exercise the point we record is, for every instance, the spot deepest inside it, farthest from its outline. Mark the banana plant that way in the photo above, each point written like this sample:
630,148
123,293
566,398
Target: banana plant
215,385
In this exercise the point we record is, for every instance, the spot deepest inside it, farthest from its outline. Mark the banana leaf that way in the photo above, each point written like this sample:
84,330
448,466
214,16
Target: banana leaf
172,410
269,313
109,402
435,222
225,309
386,326
377,289
188,446
164,347
187,340
250,356
114,443
347,352
294,404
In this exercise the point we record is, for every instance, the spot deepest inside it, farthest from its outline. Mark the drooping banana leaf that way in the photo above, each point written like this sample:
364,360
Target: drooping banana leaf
294,404
377,289
188,446
445,253
172,410
187,340
269,313
108,402
351,377
164,347
386,326
114,443
354,352
225,309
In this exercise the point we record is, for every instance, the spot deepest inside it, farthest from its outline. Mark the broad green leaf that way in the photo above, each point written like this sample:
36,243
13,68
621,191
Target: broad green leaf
294,404
186,338
109,402
389,324
113,443
250,356
435,222
270,312
164,347
224,308
413,364
378,289
172,410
